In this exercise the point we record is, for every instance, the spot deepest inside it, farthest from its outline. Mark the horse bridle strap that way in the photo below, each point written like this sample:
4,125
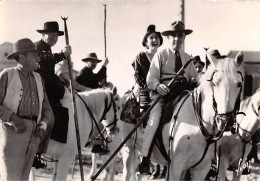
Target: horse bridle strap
93,118
209,142
196,106
108,108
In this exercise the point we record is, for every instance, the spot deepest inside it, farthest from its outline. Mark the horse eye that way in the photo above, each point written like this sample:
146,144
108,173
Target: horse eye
213,84
239,84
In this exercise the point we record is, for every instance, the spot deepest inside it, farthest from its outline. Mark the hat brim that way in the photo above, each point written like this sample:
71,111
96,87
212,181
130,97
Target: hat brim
13,55
60,33
171,32
220,57
91,59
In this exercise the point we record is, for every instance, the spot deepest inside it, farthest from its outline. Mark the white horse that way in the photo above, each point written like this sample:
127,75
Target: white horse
112,145
101,105
202,113
235,146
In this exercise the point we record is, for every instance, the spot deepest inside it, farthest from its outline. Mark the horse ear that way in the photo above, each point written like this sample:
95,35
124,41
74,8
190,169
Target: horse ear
212,59
239,58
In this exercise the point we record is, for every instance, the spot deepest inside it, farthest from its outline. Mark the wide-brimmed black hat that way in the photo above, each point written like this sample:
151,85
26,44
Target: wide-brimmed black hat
197,59
150,30
22,46
215,53
91,57
51,27
177,26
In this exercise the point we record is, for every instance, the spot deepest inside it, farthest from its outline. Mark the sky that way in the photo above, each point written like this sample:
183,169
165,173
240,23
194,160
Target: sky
218,24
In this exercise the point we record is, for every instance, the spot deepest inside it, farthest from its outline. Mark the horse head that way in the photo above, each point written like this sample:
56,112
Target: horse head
220,88
110,113
249,123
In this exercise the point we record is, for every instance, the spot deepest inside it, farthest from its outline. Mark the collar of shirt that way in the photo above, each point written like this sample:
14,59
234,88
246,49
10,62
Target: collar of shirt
25,73
173,51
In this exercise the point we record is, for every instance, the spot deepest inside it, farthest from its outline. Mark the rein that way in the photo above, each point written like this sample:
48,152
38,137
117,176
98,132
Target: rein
211,138
107,108
228,115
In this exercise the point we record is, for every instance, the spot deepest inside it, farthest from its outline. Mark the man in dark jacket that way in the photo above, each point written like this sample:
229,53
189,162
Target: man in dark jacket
88,78
54,87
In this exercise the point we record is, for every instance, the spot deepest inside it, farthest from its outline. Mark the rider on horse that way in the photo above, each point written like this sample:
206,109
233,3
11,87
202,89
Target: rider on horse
55,89
87,78
152,41
164,66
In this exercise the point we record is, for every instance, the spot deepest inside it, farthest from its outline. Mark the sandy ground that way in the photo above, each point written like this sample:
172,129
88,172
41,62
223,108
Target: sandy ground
46,174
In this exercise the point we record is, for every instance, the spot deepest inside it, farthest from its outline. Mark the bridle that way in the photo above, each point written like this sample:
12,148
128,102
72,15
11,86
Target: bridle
230,116
107,108
243,139
212,138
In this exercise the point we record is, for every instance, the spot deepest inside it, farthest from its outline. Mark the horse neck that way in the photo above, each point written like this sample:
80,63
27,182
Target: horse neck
96,109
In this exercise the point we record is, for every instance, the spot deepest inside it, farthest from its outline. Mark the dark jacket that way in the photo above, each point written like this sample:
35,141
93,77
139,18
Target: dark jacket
141,66
89,79
54,87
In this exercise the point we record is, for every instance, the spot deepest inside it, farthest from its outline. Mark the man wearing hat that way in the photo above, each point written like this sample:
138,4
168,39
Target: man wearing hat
55,89
88,78
25,112
164,66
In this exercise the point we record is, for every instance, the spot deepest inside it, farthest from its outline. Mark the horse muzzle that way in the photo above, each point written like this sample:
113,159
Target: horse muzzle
221,121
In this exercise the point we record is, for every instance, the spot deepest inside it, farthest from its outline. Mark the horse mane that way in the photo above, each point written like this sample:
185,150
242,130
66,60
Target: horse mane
228,66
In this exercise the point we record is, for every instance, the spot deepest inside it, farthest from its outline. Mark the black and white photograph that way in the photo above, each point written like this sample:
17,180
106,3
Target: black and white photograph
129,90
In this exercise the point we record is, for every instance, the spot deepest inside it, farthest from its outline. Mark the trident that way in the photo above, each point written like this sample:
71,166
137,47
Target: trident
73,100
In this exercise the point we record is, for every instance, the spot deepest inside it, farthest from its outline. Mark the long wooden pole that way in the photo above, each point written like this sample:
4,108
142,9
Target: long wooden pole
73,101
105,34
105,28
180,72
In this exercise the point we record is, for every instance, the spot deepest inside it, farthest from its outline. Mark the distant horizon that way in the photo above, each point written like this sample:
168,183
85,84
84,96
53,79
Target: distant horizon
222,25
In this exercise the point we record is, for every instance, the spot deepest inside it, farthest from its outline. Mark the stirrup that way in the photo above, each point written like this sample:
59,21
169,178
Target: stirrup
144,168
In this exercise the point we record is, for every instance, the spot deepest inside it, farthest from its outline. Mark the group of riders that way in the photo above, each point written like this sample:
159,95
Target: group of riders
30,93
31,96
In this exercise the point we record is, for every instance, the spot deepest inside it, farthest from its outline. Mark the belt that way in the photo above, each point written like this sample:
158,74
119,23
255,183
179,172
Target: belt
33,118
